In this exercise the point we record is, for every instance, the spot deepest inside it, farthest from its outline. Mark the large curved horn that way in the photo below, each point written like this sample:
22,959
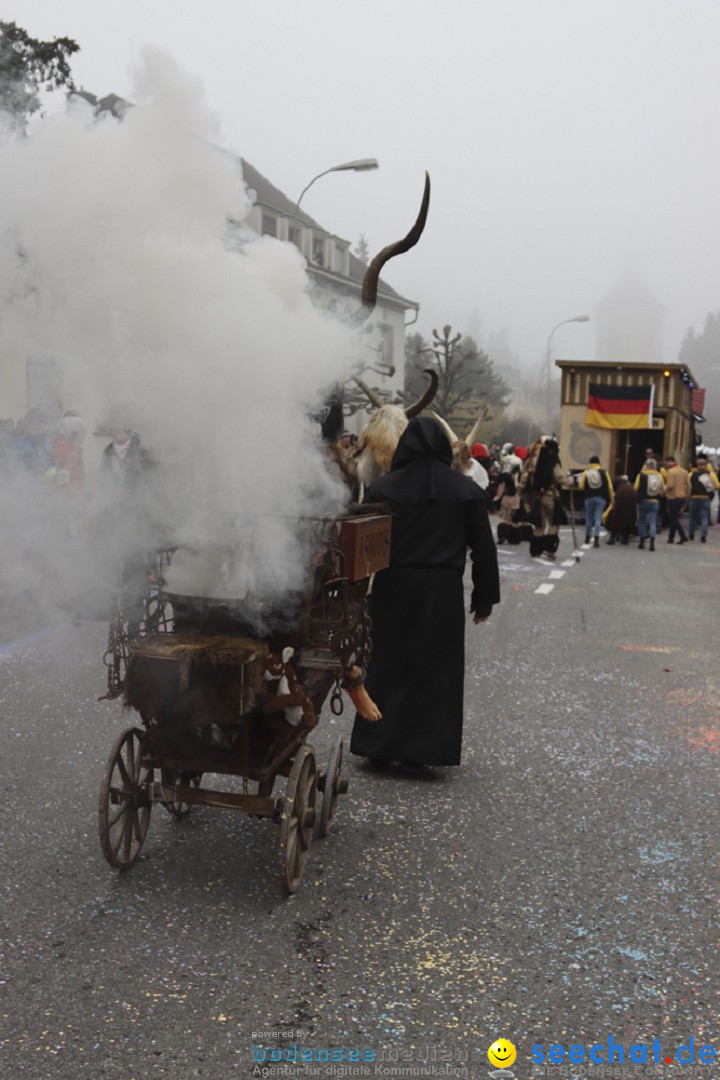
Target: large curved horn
375,398
446,427
472,437
372,274
413,410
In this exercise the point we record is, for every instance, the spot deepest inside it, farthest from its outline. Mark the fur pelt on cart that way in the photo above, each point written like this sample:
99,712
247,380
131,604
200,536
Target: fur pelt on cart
194,680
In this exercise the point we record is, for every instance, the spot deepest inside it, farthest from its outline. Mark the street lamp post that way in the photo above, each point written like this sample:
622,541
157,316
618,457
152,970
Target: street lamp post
576,318
361,165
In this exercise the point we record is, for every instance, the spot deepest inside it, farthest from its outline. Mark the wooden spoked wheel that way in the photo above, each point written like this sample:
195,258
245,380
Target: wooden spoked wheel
172,778
298,817
334,785
125,800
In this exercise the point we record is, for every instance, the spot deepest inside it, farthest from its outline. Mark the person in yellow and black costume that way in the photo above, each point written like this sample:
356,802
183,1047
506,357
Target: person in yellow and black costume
703,485
663,514
650,488
677,489
599,494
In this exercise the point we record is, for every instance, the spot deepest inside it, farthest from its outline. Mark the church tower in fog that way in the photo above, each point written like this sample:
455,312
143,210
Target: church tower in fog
630,324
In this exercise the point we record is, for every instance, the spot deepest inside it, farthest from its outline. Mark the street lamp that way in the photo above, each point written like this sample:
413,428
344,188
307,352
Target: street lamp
361,165
576,318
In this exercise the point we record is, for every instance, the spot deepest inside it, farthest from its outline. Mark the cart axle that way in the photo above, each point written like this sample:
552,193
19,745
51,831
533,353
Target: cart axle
251,804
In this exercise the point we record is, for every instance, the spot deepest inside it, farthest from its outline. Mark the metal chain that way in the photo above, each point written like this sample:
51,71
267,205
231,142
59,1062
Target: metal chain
336,700
115,657
245,736
246,755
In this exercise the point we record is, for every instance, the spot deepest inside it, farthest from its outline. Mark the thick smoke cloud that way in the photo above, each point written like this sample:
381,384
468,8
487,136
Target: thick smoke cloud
123,256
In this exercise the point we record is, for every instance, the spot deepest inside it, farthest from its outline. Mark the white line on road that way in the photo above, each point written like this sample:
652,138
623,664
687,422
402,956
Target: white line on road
568,562
544,588
556,574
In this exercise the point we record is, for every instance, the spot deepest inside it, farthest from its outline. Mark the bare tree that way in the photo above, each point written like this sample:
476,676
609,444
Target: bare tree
468,381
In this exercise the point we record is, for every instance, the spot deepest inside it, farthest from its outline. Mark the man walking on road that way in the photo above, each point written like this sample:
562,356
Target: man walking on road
703,486
649,486
599,493
677,489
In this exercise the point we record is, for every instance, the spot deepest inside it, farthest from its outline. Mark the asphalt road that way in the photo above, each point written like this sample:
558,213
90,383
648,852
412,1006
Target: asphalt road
560,887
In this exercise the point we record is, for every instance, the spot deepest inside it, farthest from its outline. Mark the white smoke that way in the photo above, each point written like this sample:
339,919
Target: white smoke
117,259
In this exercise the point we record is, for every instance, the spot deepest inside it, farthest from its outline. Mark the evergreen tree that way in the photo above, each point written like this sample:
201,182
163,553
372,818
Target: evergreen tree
701,353
362,251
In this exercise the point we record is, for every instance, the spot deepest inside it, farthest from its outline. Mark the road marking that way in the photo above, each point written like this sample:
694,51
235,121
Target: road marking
556,574
578,554
568,562
544,588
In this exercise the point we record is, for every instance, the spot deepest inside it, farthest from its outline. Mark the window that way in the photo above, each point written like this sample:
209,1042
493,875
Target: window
318,250
269,224
339,258
295,235
387,344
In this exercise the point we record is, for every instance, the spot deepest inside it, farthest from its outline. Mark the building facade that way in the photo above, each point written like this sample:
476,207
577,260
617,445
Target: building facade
336,275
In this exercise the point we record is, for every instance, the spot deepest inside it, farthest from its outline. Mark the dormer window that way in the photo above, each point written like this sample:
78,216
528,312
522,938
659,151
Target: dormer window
269,225
318,250
339,258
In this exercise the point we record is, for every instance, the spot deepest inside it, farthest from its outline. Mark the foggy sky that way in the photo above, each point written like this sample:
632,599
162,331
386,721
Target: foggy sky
567,141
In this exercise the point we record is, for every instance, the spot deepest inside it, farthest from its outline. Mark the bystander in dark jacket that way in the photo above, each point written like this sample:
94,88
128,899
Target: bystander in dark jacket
623,515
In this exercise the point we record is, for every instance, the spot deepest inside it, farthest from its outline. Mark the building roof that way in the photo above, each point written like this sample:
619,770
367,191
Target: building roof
634,365
269,196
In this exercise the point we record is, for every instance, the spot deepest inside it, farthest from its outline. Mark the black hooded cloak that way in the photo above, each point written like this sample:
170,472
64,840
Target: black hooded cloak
417,669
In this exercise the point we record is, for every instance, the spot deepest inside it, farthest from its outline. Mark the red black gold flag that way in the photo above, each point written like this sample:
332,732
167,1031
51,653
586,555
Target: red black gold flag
619,406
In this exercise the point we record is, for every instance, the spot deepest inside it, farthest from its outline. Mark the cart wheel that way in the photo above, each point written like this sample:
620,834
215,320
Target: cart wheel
124,800
298,817
171,777
333,786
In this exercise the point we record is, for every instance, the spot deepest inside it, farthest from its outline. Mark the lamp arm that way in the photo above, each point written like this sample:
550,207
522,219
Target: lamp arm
557,328
308,186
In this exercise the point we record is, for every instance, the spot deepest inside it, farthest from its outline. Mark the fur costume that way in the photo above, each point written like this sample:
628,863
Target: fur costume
513,534
511,529
541,468
540,483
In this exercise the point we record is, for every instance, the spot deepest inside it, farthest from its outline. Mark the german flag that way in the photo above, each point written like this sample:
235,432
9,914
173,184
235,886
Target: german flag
619,406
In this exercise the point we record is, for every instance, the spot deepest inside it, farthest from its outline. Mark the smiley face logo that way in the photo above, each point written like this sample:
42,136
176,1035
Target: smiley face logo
502,1054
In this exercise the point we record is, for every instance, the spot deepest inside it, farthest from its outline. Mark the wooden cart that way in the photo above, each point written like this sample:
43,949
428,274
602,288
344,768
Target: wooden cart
213,697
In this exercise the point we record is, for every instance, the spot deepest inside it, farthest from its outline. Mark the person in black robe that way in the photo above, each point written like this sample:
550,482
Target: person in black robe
417,668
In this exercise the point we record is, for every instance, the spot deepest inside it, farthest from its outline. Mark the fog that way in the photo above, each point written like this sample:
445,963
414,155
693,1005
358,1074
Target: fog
567,142
117,260
571,146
